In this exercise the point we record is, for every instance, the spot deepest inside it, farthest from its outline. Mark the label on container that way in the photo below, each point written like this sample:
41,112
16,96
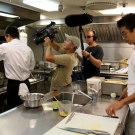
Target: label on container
94,86
55,105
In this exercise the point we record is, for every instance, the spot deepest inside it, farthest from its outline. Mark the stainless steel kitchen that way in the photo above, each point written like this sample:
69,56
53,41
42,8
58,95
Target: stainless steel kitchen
80,107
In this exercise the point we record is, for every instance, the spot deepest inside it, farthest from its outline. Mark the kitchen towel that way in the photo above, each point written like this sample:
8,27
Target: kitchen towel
23,89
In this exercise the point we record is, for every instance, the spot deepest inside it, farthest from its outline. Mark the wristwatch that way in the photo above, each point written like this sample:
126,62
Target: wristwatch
88,57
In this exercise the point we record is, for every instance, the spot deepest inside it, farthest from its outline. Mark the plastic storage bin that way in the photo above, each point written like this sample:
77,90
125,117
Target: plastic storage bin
93,83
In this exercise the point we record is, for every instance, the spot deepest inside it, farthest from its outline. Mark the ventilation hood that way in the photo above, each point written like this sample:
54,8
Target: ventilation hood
25,16
105,32
105,27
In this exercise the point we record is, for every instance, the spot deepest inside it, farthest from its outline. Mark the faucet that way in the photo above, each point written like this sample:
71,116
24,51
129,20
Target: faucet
93,96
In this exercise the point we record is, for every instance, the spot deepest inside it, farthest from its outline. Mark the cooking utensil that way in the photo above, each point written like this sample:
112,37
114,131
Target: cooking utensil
70,117
61,105
85,131
107,116
32,100
73,96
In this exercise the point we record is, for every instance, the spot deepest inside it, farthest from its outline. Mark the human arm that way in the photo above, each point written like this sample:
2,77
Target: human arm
111,109
2,48
48,53
123,94
56,46
94,61
79,57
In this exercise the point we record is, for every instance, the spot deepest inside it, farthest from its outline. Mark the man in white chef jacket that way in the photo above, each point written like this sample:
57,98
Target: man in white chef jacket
127,28
18,62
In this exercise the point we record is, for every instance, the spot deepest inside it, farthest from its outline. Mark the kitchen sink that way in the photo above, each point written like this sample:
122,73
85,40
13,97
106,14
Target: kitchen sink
79,99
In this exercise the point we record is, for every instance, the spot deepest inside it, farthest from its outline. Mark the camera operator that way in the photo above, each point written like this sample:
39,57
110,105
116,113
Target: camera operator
65,61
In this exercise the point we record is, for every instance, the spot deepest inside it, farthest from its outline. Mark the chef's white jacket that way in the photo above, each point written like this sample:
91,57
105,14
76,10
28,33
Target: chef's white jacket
130,124
18,59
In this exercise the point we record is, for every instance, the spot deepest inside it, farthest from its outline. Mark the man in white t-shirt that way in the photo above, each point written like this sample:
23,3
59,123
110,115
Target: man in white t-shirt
18,62
127,28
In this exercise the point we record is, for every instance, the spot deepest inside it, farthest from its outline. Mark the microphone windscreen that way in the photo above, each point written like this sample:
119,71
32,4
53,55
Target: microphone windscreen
78,20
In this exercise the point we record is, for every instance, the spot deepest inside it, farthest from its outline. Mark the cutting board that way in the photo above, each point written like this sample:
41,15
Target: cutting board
85,121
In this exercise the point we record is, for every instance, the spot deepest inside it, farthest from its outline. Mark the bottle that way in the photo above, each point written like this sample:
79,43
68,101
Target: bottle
55,102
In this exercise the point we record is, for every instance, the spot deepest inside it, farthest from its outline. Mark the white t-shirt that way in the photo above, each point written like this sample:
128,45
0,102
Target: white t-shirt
131,79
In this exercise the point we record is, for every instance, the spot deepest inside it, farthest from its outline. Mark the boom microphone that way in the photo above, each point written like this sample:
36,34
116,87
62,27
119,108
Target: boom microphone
78,20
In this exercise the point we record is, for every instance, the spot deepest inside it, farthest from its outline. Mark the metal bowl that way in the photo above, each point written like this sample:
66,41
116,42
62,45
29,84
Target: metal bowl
32,100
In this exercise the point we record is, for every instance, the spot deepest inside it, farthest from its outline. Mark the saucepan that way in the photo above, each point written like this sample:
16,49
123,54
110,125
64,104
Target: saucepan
32,100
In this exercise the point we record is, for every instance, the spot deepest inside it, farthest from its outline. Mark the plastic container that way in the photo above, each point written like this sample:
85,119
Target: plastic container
97,77
101,79
67,105
93,83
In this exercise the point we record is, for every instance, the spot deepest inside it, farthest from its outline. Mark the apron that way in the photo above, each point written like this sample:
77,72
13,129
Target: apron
14,89
130,123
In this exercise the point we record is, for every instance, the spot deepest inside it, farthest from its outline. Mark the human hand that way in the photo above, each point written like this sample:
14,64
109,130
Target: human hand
47,41
85,53
123,94
111,109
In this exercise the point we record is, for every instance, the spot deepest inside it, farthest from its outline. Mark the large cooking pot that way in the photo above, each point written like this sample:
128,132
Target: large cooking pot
32,100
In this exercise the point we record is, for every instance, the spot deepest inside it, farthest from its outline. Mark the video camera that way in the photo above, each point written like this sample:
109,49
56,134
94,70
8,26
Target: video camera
45,32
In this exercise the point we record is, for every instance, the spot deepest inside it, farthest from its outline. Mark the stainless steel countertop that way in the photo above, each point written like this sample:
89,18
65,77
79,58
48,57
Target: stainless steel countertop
107,73
37,121
46,71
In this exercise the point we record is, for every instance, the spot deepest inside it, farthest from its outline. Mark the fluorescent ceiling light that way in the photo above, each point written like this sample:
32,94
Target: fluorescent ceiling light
22,27
118,11
8,15
42,17
47,5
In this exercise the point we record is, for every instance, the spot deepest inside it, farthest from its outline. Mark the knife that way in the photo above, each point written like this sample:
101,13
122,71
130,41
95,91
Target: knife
107,116
85,131
70,117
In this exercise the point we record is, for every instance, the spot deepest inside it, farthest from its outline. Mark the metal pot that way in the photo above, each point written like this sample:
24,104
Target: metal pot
32,100
105,66
115,66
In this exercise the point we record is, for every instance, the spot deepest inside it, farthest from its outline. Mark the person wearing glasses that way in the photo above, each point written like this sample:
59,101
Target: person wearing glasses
65,60
127,28
93,56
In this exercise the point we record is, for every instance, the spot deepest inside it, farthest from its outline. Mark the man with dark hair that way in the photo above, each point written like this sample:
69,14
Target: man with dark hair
65,61
18,62
127,28
93,56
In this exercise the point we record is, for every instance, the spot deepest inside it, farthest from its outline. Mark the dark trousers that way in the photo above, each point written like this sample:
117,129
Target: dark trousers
13,99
